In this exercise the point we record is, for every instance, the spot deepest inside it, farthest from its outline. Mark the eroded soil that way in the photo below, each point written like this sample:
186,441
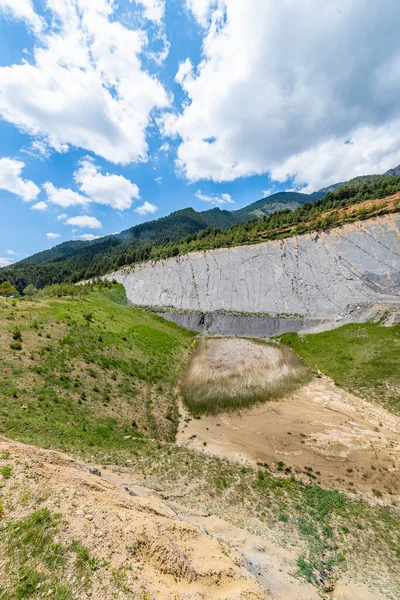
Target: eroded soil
321,432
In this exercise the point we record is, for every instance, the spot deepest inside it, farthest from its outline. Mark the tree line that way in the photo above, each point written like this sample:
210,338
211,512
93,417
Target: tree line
110,255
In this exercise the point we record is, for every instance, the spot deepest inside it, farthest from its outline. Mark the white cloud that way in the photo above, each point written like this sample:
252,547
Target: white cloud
62,217
372,150
216,200
164,147
11,180
88,237
52,236
268,192
146,208
85,85
84,221
40,206
12,253
112,190
64,197
185,70
202,9
280,82
5,262
159,180
153,9
23,10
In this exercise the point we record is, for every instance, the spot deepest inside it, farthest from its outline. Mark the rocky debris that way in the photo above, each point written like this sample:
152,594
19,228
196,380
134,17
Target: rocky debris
94,471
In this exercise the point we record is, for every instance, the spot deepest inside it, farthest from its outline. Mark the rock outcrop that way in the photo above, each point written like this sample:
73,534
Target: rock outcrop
313,274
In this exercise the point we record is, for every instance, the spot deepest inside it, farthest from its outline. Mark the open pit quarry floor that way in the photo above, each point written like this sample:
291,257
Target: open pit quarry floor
321,432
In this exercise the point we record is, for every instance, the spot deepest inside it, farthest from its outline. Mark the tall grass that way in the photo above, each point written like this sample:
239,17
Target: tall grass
224,376
362,357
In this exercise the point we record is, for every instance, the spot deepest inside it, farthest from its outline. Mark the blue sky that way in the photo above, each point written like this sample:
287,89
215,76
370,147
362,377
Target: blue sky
112,113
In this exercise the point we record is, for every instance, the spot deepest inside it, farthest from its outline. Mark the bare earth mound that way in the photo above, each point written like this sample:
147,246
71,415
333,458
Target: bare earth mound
68,534
228,373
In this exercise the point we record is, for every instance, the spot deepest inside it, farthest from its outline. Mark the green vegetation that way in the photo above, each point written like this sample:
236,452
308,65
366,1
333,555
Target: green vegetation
39,566
100,388
364,358
80,383
258,499
238,381
185,231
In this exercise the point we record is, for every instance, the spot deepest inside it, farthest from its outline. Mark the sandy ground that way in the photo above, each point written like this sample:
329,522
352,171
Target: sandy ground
349,443
168,558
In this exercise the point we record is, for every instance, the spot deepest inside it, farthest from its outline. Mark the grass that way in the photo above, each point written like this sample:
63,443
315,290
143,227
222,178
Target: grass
83,386
38,566
226,375
364,358
80,385
306,516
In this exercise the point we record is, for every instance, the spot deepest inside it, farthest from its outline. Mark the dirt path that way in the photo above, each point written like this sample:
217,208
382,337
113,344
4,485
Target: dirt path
321,432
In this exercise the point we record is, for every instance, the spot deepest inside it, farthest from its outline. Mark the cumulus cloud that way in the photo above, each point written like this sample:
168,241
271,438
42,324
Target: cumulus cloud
185,70
112,190
11,180
84,221
279,83
215,199
202,9
5,262
64,197
62,217
52,236
146,208
12,253
153,9
85,86
88,237
23,10
40,206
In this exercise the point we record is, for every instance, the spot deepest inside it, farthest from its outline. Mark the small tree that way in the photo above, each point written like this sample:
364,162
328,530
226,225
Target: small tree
7,290
30,290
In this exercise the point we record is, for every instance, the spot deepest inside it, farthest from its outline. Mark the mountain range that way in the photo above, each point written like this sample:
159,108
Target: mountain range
74,260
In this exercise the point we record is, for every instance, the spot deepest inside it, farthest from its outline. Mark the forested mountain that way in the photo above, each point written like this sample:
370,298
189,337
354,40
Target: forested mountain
275,203
393,172
186,230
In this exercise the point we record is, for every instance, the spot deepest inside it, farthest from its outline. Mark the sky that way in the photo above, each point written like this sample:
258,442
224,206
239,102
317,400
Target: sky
114,112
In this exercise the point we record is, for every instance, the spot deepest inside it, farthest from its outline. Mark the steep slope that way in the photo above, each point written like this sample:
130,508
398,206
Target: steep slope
312,274
77,536
88,372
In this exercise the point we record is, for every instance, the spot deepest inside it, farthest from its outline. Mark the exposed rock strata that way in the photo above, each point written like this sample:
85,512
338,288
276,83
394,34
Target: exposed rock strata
313,274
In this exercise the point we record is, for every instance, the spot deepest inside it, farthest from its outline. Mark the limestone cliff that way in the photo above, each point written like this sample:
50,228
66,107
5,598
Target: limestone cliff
312,274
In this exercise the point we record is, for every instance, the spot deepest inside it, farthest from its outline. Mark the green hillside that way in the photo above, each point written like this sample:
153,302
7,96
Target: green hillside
97,378
363,358
83,374
275,203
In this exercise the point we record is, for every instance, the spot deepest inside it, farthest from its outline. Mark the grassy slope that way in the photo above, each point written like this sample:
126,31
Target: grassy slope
78,387
364,358
82,386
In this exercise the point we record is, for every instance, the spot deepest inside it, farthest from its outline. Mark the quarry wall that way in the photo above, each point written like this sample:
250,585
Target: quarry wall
312,275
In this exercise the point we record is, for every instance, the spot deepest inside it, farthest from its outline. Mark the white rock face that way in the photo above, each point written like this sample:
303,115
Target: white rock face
314,274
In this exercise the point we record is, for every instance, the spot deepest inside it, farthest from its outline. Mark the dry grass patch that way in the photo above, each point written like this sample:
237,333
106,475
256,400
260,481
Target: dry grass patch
227,374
